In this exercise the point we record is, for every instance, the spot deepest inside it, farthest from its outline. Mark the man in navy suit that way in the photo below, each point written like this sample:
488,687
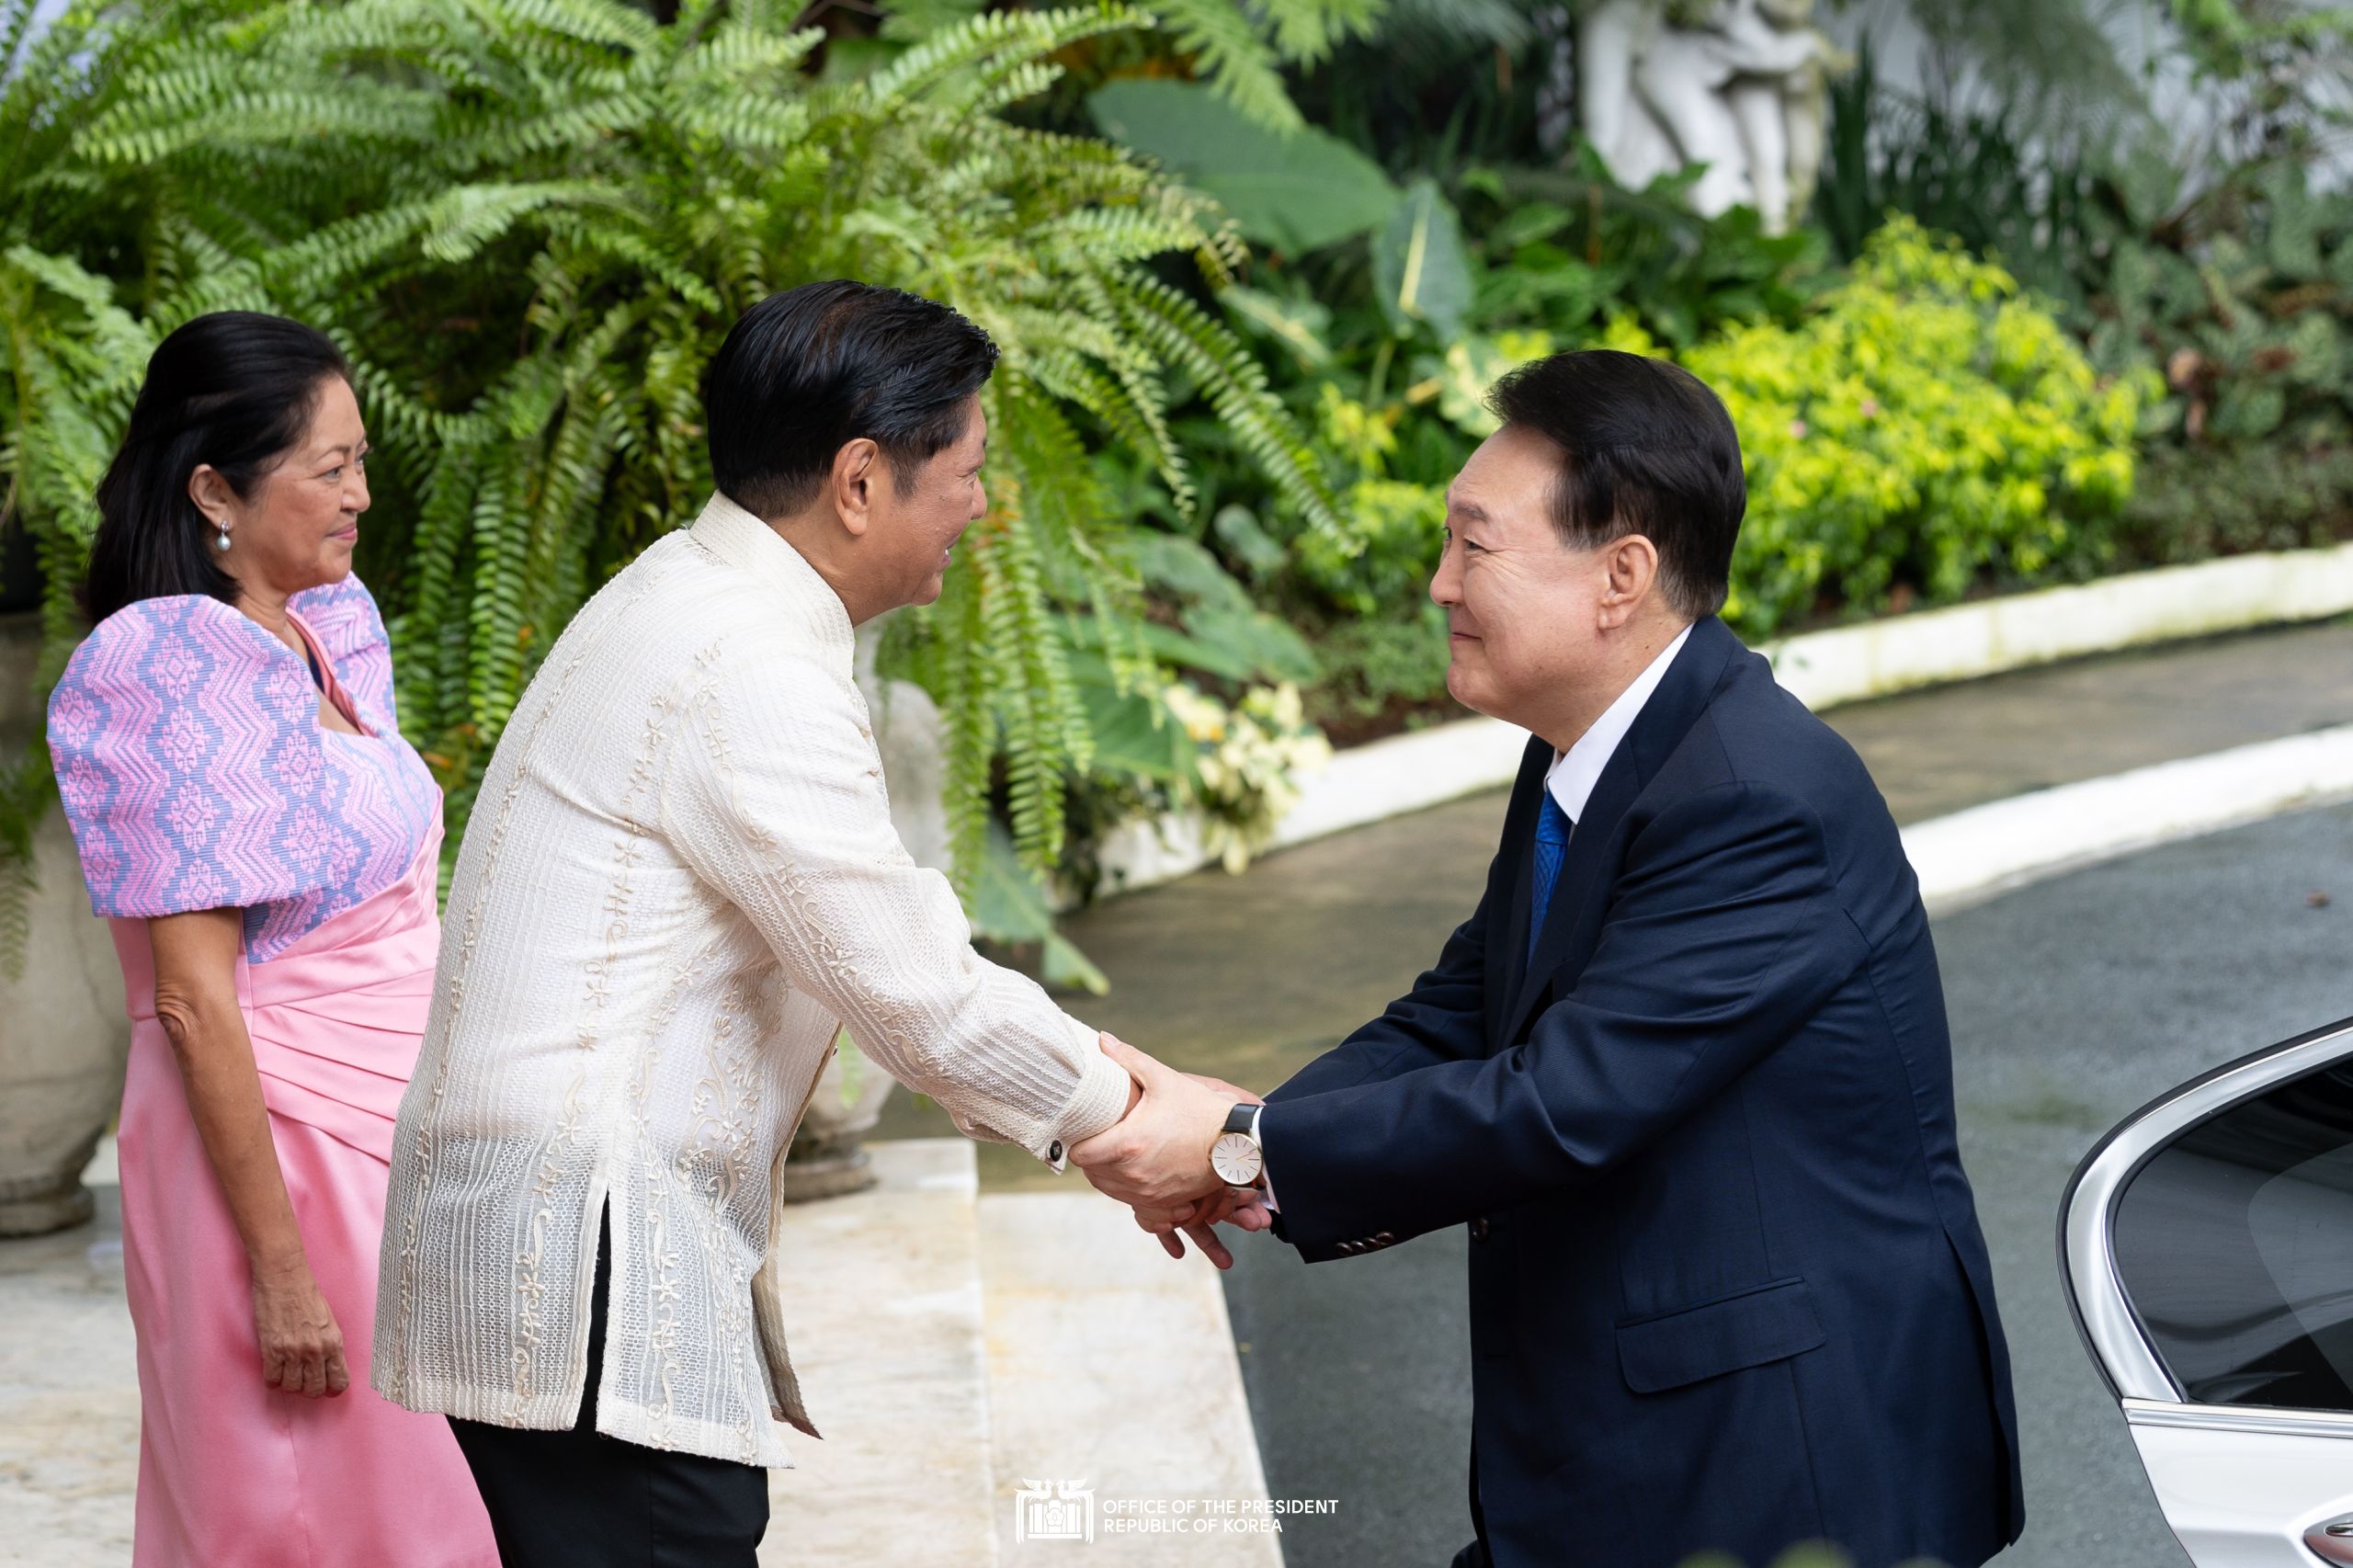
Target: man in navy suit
1684,1072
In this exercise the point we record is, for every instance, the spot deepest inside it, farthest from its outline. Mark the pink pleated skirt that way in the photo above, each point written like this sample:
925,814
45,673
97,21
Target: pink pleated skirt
231,1472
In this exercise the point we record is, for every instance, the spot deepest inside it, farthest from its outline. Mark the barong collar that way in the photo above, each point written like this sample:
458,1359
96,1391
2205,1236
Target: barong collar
749,545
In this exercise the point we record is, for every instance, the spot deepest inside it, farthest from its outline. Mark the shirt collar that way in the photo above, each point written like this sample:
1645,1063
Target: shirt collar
749,545
1575,771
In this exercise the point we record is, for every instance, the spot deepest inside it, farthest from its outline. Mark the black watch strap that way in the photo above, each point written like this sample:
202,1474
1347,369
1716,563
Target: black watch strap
1239,1118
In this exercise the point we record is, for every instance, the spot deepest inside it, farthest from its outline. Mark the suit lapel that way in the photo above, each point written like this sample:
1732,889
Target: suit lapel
1572,925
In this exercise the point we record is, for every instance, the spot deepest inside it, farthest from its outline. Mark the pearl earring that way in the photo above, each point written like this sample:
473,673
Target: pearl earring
222,541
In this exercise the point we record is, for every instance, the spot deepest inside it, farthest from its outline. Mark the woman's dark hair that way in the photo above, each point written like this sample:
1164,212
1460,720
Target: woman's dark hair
1646,448
235,389
809,370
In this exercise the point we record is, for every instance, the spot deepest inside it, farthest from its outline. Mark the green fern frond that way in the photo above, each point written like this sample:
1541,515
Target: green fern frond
967,43
530,223
1234,56
1236,385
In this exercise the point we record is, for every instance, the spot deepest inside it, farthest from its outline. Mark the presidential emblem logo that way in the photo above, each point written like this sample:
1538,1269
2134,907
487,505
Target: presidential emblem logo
1060,1510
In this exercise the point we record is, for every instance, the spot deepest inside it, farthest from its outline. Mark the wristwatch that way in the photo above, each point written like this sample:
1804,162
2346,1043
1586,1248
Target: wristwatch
1235,1156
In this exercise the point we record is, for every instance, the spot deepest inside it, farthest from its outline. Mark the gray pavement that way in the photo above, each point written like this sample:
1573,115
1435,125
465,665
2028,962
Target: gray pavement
1935,752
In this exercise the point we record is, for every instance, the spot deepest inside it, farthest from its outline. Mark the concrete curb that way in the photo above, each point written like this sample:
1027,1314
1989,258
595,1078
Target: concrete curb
1428,768
1975,854
1904,652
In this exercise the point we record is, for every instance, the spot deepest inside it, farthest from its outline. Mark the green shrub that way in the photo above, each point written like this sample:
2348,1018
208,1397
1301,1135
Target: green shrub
2190,505
2245,296
1375,671
2216,261
1925,426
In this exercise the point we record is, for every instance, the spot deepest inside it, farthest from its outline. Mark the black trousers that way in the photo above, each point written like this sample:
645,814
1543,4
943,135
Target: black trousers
580,1499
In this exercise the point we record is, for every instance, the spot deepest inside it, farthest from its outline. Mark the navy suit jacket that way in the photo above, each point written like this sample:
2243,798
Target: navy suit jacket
1728,1289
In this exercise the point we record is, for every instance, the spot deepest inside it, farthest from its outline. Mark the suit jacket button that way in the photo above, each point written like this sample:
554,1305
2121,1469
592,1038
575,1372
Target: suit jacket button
1479,1229
1348,1249
1385,1239
1055,1151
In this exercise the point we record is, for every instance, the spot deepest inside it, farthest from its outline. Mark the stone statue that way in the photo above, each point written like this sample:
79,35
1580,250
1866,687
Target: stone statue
1740,86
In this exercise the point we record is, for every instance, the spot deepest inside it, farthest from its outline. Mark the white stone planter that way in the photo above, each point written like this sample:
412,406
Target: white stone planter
63,1041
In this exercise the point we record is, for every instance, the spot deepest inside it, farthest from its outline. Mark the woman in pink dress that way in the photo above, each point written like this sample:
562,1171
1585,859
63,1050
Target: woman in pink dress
265,846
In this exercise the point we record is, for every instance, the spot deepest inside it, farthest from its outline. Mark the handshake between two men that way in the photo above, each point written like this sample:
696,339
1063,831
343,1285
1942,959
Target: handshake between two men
1171,1156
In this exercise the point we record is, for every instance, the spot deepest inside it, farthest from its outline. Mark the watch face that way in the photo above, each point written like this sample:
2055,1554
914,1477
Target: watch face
1236,1159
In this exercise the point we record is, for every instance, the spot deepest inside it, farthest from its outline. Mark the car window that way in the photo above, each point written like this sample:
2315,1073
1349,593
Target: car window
2235,1245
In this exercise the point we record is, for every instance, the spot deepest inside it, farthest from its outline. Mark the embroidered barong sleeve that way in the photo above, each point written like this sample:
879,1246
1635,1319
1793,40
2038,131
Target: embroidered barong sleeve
776,797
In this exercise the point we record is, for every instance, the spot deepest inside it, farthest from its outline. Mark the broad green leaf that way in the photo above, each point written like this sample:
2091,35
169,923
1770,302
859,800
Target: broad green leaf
1067,969
2317,349
1261,644
1294,192
1173,562
1419,263
2293,242
1246,642
1133,734
1006,903
1527,223
1240,532
2150,185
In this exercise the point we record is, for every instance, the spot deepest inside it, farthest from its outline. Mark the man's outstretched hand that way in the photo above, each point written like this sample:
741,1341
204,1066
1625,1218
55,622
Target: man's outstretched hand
1158,1156
1240,1207
1156,1159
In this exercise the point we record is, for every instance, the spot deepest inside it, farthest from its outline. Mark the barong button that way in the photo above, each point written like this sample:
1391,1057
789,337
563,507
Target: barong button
1479,1229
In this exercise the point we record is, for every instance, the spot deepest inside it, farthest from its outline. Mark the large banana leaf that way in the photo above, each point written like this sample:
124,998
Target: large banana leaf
1293,192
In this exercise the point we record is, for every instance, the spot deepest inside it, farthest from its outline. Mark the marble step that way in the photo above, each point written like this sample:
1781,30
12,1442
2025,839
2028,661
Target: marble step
1113,1373
885,1311
951,1347
958,1350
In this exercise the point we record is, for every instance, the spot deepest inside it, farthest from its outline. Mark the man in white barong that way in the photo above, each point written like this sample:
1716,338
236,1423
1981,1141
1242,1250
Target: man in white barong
679,878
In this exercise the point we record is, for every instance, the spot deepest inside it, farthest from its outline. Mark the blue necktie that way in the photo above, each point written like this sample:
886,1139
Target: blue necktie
1552,830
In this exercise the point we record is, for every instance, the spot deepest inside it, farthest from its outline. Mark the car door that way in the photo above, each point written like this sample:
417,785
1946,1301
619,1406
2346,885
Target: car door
2206,1247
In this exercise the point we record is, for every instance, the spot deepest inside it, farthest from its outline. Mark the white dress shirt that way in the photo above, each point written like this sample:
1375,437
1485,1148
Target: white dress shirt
679,874
1575,771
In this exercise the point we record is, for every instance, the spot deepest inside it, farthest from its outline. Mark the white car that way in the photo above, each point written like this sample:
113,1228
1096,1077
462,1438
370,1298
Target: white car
2207,1248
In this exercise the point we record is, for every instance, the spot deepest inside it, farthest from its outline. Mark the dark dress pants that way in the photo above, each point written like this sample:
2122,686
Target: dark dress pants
580,1499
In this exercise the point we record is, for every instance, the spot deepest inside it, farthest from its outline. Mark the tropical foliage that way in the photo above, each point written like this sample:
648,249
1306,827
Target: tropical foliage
1254,268
530,221
1926,425
71,355
2209,255
1384,309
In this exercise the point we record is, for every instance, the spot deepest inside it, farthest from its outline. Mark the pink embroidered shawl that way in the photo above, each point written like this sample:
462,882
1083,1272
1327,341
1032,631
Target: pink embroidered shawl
196,773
